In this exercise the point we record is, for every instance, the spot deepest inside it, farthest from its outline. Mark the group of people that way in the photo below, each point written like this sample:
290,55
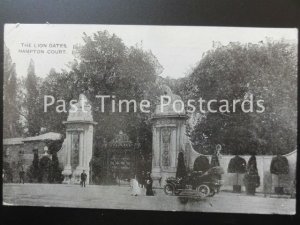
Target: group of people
139,184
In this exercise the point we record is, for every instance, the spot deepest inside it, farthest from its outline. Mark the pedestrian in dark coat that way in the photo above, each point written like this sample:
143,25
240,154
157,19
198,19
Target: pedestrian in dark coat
83,177
148,184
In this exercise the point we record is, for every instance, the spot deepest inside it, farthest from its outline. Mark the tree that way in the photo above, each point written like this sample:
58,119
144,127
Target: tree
11,117
201,164
181,169
33,172
105,66
57,85
251,178
279,166
267,71
54,145
238,166
252,164
33,106
55,170
45,170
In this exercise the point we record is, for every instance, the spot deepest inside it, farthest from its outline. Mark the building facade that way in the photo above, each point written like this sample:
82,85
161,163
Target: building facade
18,152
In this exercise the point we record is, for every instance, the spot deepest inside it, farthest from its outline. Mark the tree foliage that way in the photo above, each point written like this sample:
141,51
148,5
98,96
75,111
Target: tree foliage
268,71
252,164
237,165
32,102
251,178
201,163
45,170
11,118
105,66
181,169
55,172
279,165
33,171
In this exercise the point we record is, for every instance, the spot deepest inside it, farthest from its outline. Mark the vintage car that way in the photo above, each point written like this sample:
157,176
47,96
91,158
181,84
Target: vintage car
197,183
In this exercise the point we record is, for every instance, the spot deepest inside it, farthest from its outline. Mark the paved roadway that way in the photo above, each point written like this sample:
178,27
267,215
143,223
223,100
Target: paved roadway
119,197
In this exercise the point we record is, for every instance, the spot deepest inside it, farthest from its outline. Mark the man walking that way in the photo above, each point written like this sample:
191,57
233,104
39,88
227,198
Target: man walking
83,177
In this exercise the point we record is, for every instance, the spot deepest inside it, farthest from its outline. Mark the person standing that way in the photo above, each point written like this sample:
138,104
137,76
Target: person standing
83,177
148,184
136,190
142,180
22,175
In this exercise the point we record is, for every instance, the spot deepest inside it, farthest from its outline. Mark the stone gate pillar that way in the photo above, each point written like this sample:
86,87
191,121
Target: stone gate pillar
168,127
79,141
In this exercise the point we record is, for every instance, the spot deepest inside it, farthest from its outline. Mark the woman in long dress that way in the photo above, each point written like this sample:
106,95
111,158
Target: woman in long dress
149,182
136,190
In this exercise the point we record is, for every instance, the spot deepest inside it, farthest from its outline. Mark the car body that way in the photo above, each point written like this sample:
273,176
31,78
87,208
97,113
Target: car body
200,184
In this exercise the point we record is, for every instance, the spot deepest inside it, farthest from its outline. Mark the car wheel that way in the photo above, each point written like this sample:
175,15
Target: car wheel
212,193
203,190
169,189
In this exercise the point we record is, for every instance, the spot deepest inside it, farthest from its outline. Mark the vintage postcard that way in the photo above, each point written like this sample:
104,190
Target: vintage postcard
166,118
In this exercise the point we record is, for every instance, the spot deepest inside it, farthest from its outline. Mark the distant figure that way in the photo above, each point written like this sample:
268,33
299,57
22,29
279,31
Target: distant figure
83,177
136,190
159,181
141,178
22,175
148,184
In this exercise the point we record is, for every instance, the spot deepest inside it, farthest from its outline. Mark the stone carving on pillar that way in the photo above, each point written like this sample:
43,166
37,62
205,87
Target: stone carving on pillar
75,149
79,141
166,134
168,126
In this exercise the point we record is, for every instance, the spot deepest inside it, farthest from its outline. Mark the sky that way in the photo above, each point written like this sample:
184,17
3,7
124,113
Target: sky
177,48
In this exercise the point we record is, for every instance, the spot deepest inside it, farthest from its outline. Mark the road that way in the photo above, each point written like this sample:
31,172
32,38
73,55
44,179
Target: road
119,197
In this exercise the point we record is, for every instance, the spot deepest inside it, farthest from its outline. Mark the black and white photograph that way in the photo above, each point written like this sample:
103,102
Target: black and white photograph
150,117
